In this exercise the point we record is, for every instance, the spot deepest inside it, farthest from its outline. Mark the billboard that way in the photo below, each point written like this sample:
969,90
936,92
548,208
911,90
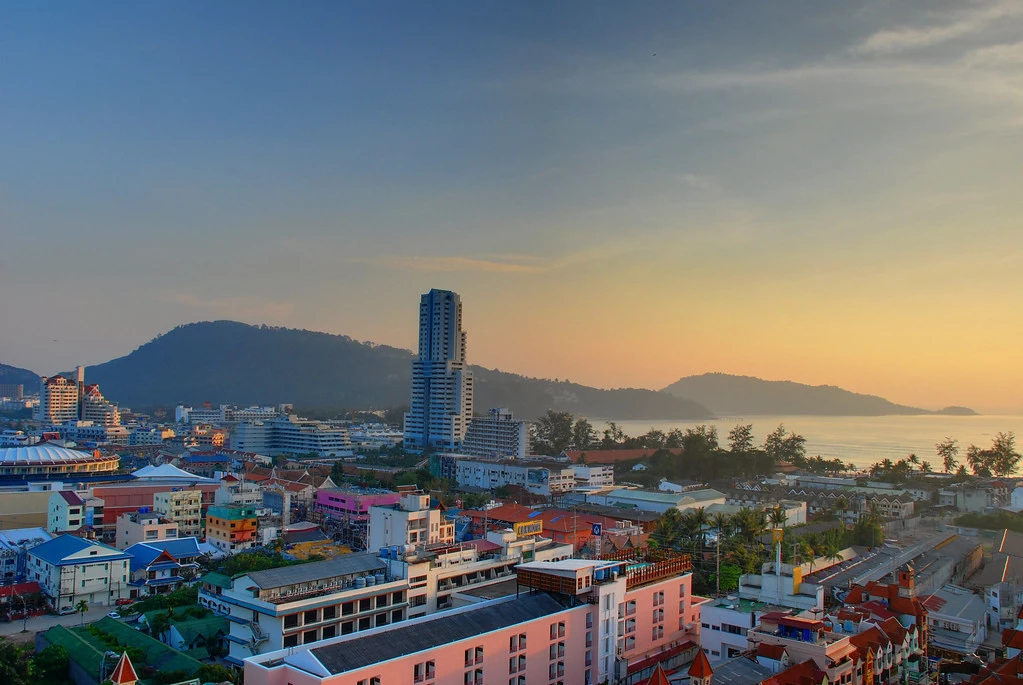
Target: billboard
528,528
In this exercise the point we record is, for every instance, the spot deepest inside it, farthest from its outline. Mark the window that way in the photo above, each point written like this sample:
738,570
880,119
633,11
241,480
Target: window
291,621
290,641
329,612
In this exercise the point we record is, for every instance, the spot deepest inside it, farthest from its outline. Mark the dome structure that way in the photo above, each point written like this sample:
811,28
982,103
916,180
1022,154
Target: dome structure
47,459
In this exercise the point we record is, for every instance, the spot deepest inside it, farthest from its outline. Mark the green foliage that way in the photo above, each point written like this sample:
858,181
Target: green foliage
247,562
51,665
996,521
168,677
553,432
583,434
183,596
16,667
1001,459
729,578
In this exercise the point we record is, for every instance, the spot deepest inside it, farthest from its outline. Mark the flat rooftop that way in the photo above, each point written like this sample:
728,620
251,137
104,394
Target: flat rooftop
434,631
494,590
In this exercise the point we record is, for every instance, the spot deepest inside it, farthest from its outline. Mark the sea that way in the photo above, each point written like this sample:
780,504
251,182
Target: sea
860,440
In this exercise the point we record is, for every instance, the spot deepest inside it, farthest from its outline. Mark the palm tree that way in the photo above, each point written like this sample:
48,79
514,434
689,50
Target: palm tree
778,517
81,608
925,466
722,522
701,519
913,459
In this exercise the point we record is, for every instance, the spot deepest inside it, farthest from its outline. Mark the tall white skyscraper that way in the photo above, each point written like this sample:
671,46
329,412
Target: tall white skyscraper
441,404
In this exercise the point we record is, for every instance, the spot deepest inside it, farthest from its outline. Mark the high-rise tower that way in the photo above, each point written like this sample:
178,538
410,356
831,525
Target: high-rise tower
440,407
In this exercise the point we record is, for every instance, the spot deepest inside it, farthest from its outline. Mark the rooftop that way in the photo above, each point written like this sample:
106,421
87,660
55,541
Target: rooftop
436,630
344,565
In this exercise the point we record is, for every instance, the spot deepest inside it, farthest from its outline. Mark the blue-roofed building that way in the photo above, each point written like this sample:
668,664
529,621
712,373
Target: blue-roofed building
162,566
70,569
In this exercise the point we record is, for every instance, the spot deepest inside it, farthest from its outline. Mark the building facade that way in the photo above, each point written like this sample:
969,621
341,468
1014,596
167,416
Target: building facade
410,522
183,507
291,435
144,525
496,436
440,406
69,569
232,528
298,605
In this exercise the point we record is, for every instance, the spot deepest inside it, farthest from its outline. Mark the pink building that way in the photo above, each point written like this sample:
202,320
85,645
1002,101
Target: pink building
572,622
352,505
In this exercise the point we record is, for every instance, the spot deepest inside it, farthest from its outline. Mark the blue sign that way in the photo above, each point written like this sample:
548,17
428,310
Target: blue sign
596,528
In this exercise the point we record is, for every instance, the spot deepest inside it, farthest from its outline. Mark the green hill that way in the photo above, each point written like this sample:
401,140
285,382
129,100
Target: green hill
728,395
235,363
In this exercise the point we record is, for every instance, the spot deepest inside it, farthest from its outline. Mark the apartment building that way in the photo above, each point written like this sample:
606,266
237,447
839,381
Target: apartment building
284,608
58,400
69,511
539,478
69,569
410,522
291,435
575,622
183,507
144,525
496,436
232,528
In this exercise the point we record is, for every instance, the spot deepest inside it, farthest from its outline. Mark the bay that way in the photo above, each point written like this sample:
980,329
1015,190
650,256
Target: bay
861,440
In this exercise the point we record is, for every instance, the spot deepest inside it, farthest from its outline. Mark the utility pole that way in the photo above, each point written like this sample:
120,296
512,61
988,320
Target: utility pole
718,573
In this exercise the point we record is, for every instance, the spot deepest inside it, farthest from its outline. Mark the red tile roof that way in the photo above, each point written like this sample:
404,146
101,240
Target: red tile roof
805,673
659,677
20,589
1012,638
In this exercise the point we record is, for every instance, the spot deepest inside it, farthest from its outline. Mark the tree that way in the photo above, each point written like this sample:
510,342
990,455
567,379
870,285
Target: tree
1004,457
979,462
778,517
613,436
81,608
740,439
214,673
583,434
553,432
51,665
948,451
16,664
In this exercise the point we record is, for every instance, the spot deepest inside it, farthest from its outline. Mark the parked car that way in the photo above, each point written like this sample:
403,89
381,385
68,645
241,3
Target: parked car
114,614
67,610
124,601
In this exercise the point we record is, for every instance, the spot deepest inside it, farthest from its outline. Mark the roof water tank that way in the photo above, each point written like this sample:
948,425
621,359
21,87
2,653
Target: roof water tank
380,578
360,582
371,580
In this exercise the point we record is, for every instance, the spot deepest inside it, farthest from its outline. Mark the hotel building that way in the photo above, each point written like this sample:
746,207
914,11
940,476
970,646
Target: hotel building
440,407
575,622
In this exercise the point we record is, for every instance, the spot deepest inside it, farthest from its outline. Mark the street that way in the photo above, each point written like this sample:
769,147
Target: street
12,630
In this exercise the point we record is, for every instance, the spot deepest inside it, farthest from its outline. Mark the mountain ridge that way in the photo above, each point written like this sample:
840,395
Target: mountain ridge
733,395
235,363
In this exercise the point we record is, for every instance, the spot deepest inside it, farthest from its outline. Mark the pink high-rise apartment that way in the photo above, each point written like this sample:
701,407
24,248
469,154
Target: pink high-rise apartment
571,622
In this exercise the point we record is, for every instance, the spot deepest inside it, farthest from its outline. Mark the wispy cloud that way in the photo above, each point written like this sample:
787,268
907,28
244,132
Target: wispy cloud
1007,55
977,18
452,264
240,307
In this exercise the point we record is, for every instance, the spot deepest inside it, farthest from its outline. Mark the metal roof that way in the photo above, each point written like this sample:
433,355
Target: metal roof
344,565
44,453
57,550
410,638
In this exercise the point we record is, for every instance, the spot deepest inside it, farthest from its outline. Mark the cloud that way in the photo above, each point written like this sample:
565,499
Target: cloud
1008,55
452,264
894,41
239,307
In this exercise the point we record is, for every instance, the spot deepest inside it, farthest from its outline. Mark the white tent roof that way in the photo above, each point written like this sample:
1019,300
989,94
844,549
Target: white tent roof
166,472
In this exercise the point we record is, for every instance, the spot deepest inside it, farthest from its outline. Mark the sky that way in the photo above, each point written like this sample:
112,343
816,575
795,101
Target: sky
623,194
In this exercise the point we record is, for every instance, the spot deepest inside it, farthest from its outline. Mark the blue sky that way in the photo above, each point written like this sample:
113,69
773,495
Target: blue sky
797,190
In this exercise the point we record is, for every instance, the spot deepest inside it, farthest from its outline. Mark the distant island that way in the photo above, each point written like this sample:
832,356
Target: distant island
728,395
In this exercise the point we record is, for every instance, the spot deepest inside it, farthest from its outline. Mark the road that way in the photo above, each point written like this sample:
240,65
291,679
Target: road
12,630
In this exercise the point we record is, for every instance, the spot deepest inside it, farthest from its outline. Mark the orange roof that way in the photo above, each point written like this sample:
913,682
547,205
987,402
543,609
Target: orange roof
701,666
511,513
894,630
124,672
659,677
773,652
805,673
871,637
1012,638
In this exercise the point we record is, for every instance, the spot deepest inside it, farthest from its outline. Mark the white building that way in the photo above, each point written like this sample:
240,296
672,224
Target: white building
660,502
70,569
539,478
594,475
67,510
291,435
58,399
184,507
410,522
724,623
497,436
295,605
440,407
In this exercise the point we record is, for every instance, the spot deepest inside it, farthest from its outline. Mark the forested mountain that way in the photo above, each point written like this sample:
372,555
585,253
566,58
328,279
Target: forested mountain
16,376
728,395
235,363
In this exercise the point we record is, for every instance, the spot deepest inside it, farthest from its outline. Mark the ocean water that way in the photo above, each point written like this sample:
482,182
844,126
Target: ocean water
861,440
